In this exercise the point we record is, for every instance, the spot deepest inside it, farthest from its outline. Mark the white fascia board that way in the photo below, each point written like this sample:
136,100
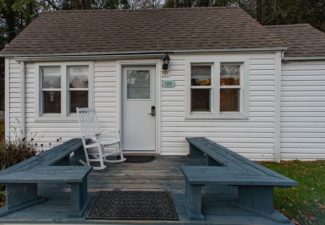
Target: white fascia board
118,55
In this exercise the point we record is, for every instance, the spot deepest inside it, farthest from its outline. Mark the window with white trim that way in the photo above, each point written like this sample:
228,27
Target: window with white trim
78,87
62,88
230,87
51,89
216,89
201,88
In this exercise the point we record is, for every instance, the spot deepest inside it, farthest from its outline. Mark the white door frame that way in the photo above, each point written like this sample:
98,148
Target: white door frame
155,63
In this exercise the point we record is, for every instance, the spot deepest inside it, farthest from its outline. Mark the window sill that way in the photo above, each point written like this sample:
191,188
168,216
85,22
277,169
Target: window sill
52,118
222,116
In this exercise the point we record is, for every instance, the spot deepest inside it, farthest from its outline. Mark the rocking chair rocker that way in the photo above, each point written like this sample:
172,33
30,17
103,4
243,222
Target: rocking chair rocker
97,150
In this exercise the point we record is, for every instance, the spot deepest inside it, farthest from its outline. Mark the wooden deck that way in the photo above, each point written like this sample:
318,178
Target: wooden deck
161,174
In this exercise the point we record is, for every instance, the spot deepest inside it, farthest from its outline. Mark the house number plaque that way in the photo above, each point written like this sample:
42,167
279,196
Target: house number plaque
168,83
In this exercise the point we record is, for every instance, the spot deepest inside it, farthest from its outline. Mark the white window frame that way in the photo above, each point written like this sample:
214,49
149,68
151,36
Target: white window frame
65,114
69,89
210,87
41,94
215,63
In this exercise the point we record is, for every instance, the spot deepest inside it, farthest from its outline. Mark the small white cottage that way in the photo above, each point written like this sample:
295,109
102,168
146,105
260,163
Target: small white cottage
162,75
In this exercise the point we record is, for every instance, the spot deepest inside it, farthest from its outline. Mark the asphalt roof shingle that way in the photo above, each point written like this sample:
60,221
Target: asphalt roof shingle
302,40
116,31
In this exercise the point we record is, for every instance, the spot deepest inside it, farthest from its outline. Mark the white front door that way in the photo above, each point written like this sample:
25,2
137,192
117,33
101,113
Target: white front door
138,109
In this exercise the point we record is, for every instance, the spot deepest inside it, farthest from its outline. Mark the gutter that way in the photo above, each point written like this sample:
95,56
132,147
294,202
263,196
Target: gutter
23,98
55,58
119,55
313,58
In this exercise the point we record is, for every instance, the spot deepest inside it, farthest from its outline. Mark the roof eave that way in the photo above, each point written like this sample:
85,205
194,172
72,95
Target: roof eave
101,55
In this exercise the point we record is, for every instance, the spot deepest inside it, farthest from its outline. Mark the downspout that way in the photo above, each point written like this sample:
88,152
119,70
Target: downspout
277,110
7,108
23,98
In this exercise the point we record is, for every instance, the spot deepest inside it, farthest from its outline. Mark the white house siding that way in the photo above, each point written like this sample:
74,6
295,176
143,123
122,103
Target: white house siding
44,133
252,137
303,110
14,105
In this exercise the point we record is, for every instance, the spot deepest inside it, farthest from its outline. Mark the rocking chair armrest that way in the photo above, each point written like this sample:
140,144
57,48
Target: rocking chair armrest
92,145
108,143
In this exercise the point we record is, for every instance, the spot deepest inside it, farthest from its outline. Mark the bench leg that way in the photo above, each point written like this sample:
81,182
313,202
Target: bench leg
20,196
259,199
195,153
193,203
212,162
79,198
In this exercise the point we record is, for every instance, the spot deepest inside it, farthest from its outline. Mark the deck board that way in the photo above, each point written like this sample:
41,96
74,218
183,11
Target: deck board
161,174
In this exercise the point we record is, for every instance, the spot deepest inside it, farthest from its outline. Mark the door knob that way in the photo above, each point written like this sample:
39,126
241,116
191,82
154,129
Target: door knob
153,111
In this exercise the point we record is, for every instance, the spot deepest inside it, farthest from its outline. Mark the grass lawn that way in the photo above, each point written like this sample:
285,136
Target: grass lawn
305,203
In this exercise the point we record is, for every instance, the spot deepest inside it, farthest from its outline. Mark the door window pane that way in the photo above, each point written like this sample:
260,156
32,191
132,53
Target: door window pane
51,102
229,74
200,100
201,75
78,76
138,84
51,77
229,100
78,99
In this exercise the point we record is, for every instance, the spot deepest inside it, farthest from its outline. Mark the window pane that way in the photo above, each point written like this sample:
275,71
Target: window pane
51,102
230,74
78,76
78,99
138,84
200,100
200,75
51,77
229,100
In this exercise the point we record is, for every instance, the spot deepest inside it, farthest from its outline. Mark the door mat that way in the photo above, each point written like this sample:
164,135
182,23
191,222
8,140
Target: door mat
139,159
133,205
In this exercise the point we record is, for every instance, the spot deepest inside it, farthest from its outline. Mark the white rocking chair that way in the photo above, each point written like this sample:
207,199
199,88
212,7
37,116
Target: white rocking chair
97,150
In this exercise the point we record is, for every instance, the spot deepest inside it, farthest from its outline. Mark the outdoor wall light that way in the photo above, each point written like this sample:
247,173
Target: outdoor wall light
166,60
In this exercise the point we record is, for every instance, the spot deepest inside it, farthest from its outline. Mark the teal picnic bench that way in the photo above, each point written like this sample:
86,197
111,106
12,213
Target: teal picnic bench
51,166
224,167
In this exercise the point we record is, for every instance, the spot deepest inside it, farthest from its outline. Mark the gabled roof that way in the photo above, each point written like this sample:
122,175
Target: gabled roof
130,31
302,40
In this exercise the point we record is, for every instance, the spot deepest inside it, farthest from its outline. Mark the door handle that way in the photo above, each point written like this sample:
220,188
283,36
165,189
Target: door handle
153,111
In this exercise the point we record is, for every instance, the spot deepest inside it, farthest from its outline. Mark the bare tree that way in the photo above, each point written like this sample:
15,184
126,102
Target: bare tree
144,4
259,10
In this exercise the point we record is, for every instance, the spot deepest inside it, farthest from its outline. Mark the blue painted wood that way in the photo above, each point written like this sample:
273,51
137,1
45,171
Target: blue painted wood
52,166
225,167
79,198
217,206
259,199
212,162
195,152
194,201
226,175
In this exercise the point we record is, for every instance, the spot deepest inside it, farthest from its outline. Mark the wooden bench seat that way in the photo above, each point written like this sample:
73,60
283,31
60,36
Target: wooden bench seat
52,166
229,176
51,174
224,167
